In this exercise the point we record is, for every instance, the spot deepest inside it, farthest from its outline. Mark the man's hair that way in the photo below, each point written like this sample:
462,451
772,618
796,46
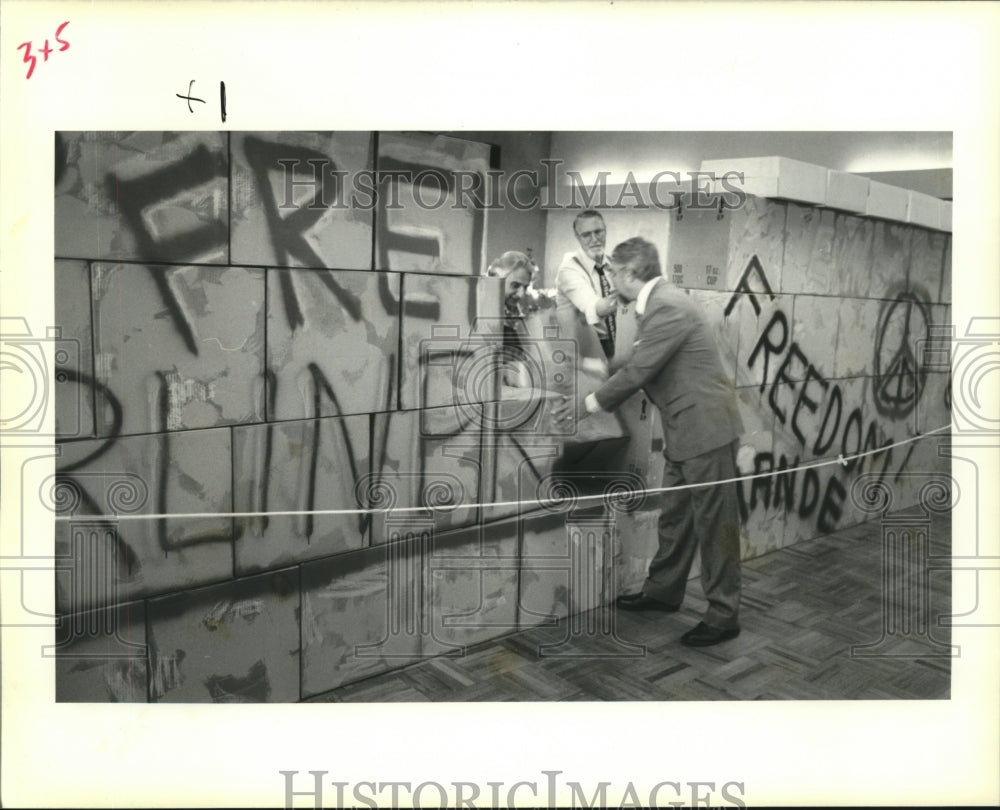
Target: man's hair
639,257
508,262
587,214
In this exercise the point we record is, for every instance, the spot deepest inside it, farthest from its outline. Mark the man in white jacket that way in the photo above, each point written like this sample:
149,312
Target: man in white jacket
585,295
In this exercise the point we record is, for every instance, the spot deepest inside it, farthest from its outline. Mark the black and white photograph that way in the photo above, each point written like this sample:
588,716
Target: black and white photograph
329,436
619,429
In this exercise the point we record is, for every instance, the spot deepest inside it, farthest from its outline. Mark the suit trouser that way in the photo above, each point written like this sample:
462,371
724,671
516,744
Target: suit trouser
706,518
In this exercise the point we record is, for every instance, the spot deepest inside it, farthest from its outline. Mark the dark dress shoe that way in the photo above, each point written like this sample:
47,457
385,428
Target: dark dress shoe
704,636
639,601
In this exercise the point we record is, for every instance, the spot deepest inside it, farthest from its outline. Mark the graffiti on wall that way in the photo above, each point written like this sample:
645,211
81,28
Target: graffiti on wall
143,204
817,417
904,324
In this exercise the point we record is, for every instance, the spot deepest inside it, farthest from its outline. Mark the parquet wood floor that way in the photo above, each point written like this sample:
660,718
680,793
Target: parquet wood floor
812,616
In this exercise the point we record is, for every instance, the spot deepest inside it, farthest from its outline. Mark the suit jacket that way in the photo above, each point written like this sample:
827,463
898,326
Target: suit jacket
578,293
675,360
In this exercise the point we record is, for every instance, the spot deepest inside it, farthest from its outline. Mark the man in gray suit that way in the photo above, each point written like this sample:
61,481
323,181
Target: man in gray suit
676,361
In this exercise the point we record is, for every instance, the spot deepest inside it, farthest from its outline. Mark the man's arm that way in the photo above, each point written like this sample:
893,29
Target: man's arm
573,282
663,331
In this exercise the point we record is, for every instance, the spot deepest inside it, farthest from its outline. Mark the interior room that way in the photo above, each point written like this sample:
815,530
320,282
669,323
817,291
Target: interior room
293,465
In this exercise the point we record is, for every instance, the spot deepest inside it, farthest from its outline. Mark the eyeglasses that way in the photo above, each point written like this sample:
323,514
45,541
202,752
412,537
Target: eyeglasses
597,233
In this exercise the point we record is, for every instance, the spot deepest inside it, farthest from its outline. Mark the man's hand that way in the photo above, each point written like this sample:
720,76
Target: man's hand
566,409
607,305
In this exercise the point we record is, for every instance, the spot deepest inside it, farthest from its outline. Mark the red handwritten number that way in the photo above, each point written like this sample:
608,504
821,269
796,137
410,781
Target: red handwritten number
63,42
31,60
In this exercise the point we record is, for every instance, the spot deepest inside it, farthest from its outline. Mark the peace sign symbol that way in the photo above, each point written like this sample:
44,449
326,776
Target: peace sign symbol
899,378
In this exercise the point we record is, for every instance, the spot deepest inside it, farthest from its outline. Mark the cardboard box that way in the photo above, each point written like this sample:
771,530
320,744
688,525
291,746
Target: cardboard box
779,177
925,210
887,202
846,192
945,212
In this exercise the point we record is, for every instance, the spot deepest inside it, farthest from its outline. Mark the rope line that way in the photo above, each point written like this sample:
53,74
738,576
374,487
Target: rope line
550,503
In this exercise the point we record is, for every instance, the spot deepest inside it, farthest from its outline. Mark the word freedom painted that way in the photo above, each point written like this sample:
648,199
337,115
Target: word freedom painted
432,188
548,793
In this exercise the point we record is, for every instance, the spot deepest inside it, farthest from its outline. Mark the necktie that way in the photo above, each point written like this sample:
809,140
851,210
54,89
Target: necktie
606,291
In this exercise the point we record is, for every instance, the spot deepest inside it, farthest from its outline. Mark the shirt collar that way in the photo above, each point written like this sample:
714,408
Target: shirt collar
643,296
589,263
